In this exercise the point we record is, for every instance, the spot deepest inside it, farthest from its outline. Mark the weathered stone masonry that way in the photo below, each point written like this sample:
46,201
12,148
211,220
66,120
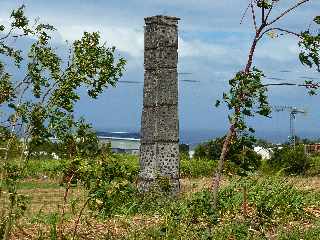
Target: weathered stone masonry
159,151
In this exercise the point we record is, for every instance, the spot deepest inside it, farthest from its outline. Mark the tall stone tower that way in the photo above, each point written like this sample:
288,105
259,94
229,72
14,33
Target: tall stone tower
159,151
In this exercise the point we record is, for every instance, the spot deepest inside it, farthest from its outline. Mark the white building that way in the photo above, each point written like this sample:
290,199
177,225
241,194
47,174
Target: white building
263,152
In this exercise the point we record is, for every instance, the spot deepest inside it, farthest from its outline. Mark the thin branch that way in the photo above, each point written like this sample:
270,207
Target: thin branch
253,17
287,11
263,15
281,30
78,219
48,91
268,13
244,14
291,84
8,34
22,82
281,84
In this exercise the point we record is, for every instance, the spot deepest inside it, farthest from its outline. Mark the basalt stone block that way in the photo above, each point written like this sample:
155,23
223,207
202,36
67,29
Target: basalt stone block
148,124
148,167
160,87
168,159
150,88
167,123
148,159
168,87
166,57
160,36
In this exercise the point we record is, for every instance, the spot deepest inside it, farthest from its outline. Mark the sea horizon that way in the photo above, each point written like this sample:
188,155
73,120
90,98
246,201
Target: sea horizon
193,137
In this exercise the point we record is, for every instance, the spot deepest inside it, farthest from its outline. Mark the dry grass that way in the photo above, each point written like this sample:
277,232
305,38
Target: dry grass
306,183
44,199
89,228
50,200
193,185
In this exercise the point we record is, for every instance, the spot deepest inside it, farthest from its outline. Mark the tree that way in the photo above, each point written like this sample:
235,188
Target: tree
42,102
247,95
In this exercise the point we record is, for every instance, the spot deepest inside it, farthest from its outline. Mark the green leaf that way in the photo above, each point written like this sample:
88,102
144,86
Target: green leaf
317,19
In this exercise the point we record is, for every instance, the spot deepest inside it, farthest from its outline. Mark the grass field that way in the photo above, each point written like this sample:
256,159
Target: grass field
283,207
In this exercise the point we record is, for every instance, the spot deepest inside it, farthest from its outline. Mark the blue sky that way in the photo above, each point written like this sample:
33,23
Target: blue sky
212,46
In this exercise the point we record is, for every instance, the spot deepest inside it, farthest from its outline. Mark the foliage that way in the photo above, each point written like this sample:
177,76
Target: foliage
310,44
292,160
184,150
246,93
17,204
42,103
241,154
314,169
197,167
273,204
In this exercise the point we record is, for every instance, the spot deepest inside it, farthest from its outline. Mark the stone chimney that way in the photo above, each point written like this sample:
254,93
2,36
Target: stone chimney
159,151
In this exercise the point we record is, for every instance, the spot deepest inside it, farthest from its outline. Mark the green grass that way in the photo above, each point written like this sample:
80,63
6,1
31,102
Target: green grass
197,167
278,207
39,184
46,167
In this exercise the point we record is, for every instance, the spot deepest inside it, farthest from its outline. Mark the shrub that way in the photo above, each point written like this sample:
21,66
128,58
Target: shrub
184,150
197,167
290,160
241,156
209,150
314,168
244,162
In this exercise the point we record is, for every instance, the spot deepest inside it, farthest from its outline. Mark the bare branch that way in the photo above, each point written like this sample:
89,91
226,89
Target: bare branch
253,16
287,11
307,85
283,84
263,15
244,14
25,80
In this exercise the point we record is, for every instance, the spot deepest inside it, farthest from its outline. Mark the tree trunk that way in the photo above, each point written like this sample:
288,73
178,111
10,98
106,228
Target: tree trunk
224,152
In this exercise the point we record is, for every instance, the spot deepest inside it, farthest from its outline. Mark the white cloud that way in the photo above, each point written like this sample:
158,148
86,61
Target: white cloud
197,48
125,39
281,49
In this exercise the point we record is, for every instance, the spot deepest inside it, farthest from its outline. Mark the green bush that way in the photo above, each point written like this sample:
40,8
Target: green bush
244,162
209,150
197,167
290,160
314,168
273,203
184,151
241,156
48,167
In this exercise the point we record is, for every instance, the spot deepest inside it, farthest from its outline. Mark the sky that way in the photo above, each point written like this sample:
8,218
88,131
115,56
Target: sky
213,46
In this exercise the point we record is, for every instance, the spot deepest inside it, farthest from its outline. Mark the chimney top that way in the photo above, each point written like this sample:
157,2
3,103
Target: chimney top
161,19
